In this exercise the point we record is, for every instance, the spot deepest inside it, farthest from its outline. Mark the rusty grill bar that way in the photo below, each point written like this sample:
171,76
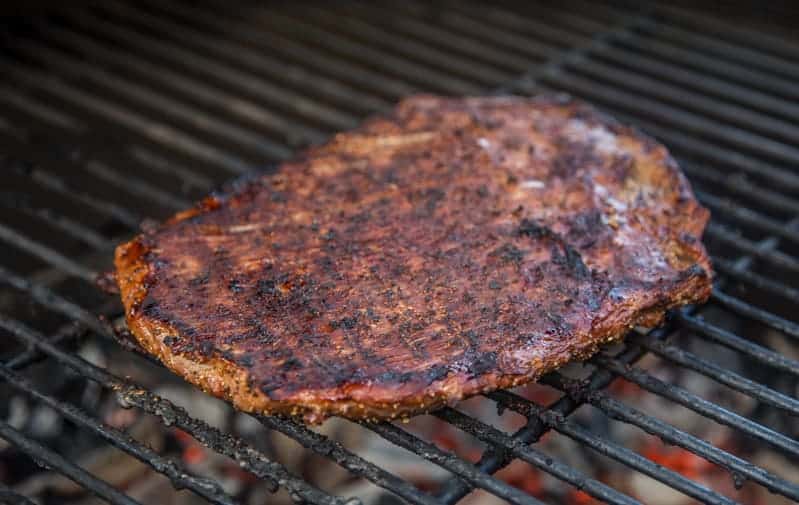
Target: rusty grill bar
162,101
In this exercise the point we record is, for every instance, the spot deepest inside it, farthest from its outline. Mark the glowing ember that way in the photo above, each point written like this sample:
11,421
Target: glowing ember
681,461
578,497
193,453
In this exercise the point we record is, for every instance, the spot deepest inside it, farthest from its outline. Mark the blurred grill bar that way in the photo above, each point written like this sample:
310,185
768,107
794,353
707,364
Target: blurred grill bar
66,467
136,94
12,498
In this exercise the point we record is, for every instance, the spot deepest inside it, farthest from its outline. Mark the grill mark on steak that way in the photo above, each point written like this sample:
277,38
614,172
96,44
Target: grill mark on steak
454,247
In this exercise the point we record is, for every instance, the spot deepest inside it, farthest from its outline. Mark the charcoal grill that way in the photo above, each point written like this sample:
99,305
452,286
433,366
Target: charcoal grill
113,113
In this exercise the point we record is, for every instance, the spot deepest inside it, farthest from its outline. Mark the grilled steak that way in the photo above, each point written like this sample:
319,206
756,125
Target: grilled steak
454,247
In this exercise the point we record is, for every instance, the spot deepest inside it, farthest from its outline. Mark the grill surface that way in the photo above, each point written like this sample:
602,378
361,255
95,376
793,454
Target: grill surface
112,114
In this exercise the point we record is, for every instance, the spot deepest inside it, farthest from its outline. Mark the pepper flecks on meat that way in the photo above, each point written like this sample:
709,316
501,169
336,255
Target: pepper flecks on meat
453,247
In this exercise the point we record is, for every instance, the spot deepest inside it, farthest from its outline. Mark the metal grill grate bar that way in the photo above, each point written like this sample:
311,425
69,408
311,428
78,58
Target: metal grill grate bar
11,498
197,39
756,280
734,212
782,325
494,25
71,331
190,178
692,58
492,460
690,122
737,185
424,75
87,163
536,458
176,473
719,374
529,31
693,145
81,321
46,254
514,446
63,188
686,99
156,132
47,457
449,461
469,49
285,67
106,145
698,404
106,161
423,51
101,162
74,229
173,54
241,109
52,301
555,420
136,186
315,110
464,20
618,410
249,459
38,110
703,150
738,53
346,459
148,98
710,25
367,82
745,347
750,248
695,80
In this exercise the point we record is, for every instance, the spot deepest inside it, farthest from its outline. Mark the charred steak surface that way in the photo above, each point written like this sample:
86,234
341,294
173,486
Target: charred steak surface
454,247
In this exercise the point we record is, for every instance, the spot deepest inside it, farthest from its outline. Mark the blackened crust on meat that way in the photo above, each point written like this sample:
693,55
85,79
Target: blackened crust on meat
455,247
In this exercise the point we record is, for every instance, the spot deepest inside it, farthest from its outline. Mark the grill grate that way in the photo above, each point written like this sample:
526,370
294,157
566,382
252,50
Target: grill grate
97,104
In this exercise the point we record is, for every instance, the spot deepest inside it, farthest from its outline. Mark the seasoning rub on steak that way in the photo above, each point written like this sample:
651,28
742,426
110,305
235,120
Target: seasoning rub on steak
453,247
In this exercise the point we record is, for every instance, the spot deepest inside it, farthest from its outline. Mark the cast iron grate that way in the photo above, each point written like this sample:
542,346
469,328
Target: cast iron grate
114,113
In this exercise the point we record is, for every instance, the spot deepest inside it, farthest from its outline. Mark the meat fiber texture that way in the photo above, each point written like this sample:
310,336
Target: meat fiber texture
452,247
